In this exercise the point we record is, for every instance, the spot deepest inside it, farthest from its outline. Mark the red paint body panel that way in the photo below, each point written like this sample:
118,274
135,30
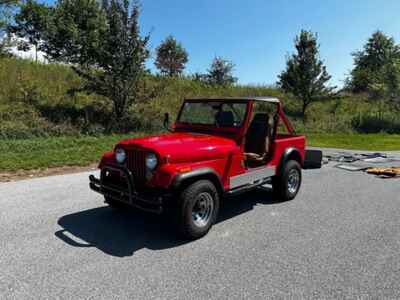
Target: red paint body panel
184,147
108,158
193,147
283,142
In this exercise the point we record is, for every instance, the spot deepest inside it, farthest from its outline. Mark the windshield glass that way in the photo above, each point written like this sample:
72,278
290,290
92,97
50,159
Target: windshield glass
221,114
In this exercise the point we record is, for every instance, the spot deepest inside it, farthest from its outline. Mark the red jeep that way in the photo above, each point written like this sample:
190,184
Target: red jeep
217,147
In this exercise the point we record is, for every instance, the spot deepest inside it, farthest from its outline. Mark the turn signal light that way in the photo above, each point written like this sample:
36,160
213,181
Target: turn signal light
185,170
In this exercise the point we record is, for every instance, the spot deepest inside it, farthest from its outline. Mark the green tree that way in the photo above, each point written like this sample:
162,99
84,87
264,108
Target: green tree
373,62
221,72
305,76
7,8
103,44
121,58
385,86
377,71
6,13
30,24
75,32
392,80
171,57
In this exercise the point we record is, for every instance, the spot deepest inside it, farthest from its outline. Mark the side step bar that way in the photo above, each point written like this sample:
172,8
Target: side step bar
248,187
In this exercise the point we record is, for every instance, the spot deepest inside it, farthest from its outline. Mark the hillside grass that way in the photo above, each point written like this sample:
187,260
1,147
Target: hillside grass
43,123
43,153
37,100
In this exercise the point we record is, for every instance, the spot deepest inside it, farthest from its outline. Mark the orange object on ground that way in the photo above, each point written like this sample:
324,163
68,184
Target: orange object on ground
389,172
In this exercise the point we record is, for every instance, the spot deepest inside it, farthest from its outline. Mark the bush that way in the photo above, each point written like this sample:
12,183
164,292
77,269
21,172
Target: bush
39,128
375,124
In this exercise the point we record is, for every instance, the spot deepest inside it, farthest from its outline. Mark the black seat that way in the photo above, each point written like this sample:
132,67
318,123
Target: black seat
225,119
257,138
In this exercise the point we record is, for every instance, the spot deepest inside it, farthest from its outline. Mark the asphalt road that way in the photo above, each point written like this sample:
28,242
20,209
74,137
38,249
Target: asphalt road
339,238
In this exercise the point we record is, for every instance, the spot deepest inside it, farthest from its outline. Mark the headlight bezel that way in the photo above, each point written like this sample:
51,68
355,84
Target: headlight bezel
151,161
120,155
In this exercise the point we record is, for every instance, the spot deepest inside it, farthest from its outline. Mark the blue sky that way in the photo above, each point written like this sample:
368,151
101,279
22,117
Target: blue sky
258,34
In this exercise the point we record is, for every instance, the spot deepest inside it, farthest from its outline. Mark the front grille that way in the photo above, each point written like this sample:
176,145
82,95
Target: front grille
136,164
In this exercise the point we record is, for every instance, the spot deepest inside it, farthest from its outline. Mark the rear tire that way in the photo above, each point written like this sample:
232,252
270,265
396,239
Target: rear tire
286,185
197,209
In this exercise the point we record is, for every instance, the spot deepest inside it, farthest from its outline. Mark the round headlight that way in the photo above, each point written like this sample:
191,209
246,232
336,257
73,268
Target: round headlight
120,155
151,161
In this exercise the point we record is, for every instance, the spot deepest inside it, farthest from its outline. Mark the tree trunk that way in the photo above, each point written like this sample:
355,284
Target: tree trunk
303,111
120,112
87,118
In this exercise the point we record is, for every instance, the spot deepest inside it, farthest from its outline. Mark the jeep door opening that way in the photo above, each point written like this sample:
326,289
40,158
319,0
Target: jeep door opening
216,147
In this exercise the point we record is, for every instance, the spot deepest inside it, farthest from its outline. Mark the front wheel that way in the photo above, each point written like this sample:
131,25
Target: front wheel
286,185
198,209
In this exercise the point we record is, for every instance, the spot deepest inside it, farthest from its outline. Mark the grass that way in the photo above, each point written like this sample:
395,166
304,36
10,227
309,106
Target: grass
41,153
373,142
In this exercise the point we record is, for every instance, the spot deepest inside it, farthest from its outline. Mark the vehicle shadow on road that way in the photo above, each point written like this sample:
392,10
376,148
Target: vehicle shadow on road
121,233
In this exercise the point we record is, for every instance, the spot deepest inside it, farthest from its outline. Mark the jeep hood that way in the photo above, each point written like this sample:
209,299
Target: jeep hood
183,147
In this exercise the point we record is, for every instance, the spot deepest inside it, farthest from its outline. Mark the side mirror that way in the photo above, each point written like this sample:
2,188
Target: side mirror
166,122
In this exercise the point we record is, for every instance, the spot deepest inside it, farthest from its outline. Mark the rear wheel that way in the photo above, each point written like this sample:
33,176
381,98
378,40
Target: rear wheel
198,209
286,185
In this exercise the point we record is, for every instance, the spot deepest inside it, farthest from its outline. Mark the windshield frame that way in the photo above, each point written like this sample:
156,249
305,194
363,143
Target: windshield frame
178,123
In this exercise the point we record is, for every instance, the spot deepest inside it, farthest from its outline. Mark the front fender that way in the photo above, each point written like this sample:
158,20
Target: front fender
200,173
107,158
291,153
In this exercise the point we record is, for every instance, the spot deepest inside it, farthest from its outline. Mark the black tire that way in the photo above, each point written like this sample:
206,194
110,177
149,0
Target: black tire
283,184
190,224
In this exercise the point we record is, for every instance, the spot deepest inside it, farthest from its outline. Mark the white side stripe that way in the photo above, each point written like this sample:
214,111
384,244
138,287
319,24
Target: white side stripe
251,177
